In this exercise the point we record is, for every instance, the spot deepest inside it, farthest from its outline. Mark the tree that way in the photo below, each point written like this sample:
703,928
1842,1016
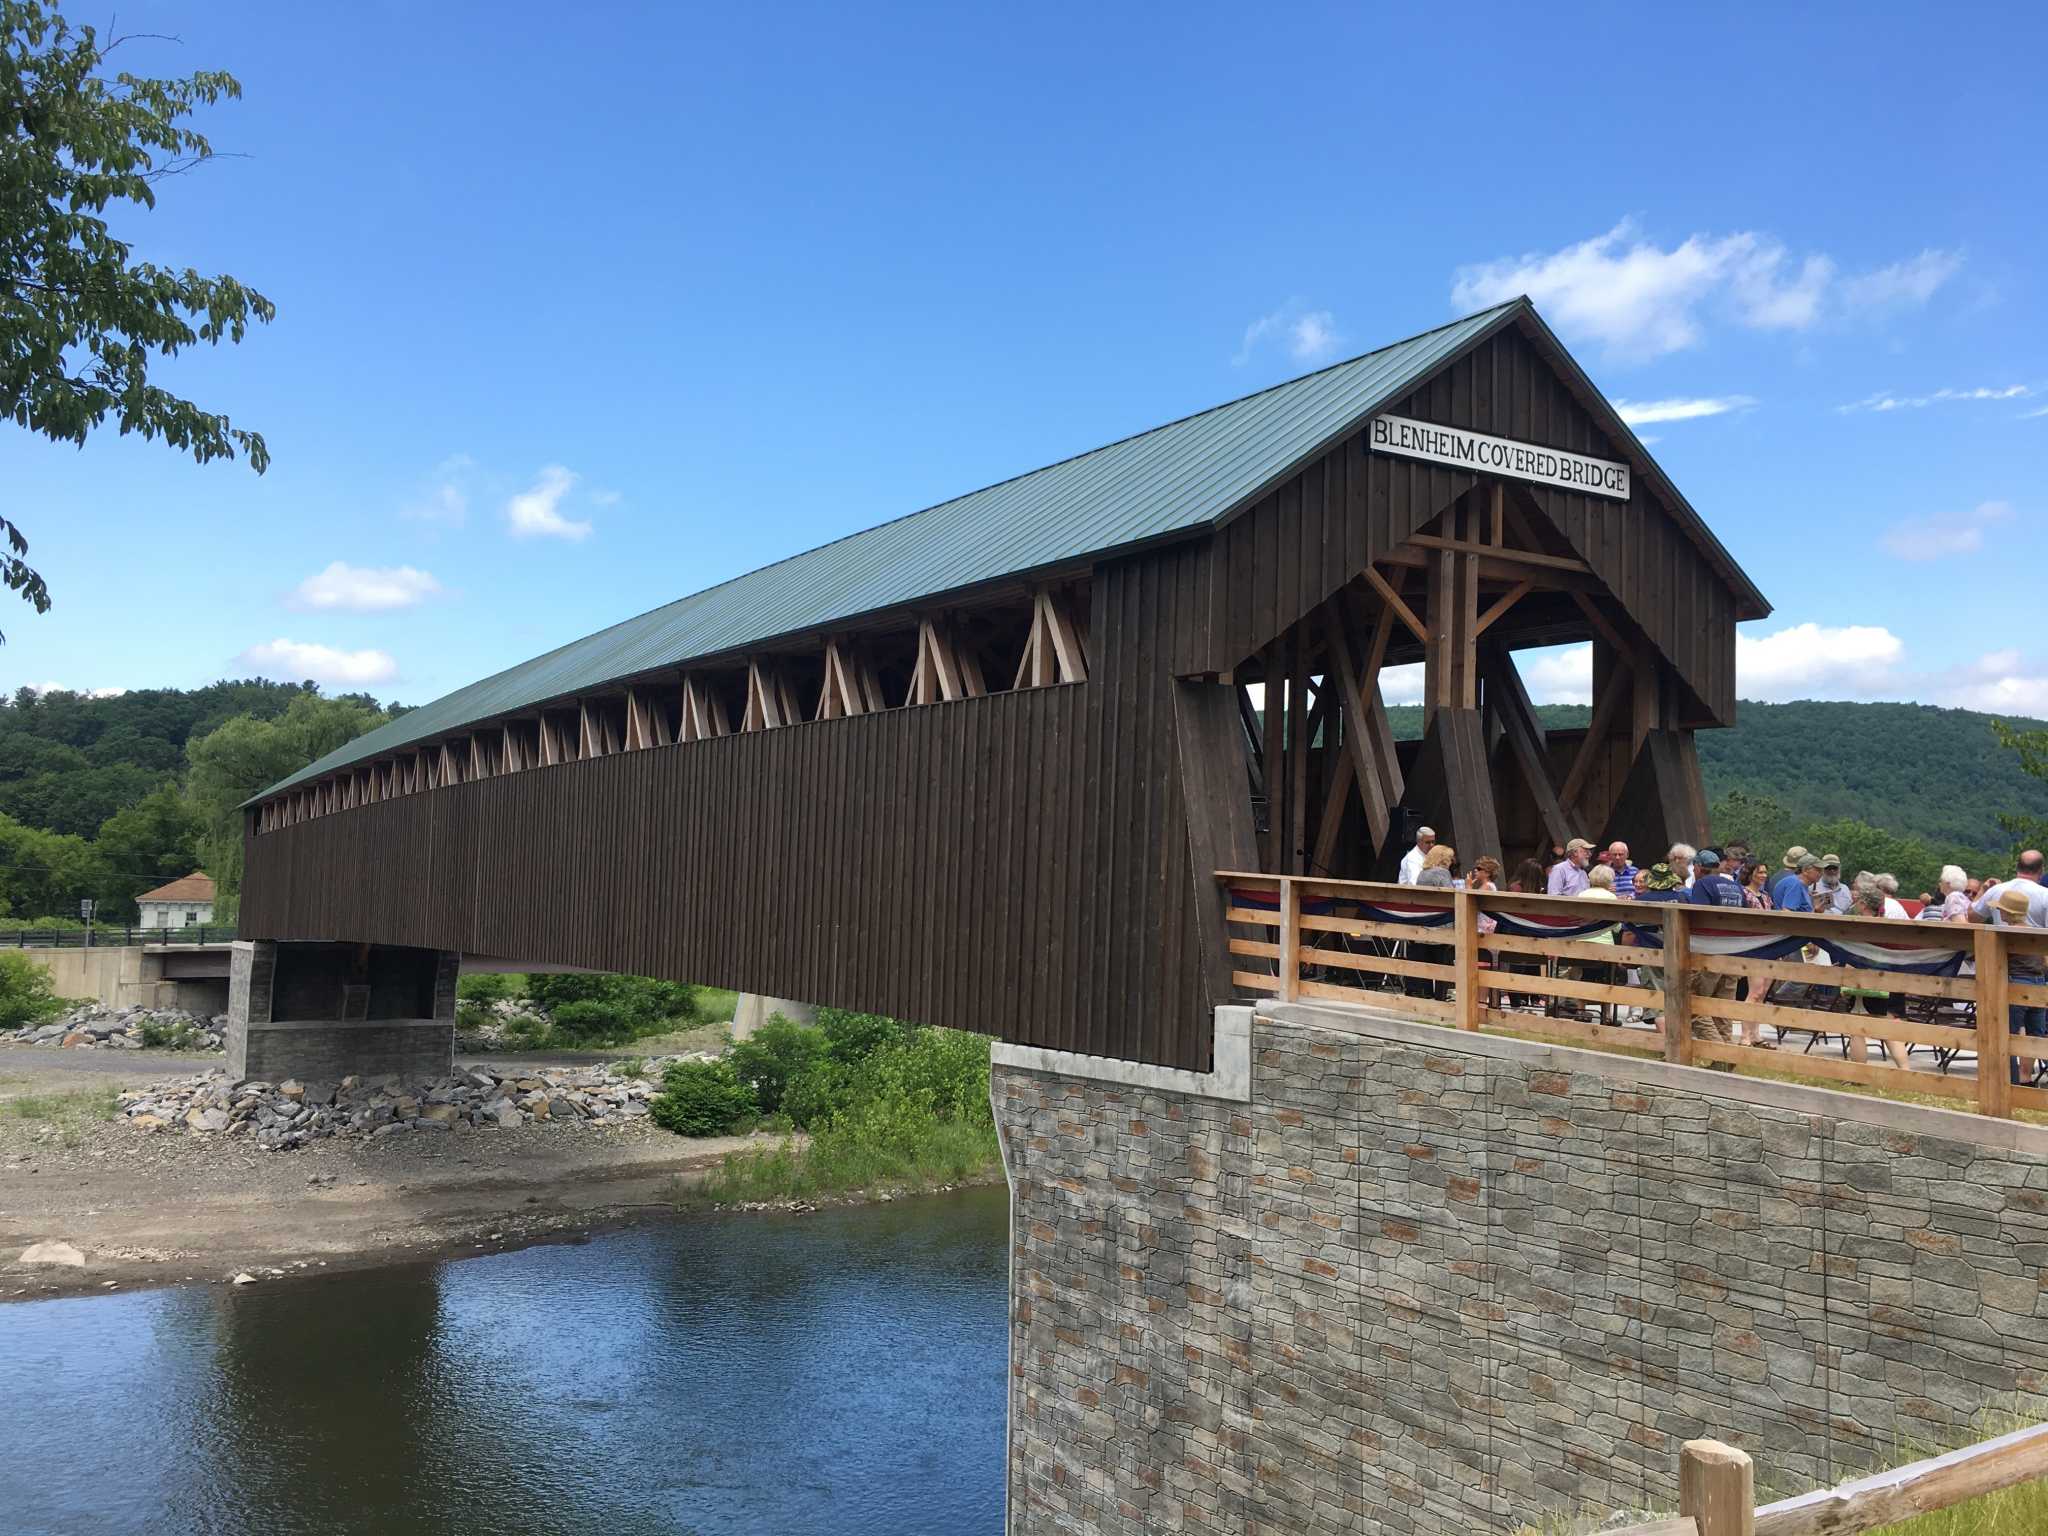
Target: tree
45,874
229,765
2032,747
80,318
154,840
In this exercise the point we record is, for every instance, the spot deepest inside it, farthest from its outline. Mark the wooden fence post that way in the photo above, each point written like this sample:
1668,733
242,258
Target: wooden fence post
1677,985
1994,1027
1465,923
1290,941
1717,1487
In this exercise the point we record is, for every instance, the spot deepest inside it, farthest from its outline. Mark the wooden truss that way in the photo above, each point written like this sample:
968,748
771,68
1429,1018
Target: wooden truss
1053,651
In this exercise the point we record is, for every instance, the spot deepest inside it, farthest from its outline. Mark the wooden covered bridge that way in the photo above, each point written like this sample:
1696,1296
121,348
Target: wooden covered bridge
978,766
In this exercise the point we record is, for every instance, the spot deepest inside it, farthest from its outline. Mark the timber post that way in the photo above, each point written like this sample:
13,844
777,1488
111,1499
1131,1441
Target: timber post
1717,1488
1465,909
1994,1026
1677,985
1290,941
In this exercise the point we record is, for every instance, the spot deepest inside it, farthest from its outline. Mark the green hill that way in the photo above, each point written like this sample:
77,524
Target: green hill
1915,770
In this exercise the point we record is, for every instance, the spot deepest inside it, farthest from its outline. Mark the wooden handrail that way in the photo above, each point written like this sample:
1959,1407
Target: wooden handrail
1716,1494
1884,1498
1453,973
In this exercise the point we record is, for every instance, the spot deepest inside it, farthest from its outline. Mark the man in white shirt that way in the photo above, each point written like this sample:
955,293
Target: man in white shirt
1411,861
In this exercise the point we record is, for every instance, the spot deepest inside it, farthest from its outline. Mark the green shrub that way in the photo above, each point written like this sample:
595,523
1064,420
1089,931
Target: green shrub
487,987
914,1111
635,1005
26,996
589,1020
857,1036
816,1092
778,1054
171,1035
702,1098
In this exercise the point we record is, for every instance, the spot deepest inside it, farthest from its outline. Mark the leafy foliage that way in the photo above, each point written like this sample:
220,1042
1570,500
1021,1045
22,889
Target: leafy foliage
913,1110
613,1009
702,1098
244,755
83,319
2027,829
776,1055
25,993
139,845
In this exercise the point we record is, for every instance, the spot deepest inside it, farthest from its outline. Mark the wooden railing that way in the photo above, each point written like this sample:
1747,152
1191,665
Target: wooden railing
1717,1490
1650,989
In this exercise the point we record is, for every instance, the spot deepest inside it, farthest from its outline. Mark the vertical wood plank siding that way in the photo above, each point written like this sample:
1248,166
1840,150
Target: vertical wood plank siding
1289,551
1015,864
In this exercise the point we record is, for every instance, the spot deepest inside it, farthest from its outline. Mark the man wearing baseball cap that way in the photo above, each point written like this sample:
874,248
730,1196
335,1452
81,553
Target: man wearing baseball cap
1829,894
1568,874
1793,890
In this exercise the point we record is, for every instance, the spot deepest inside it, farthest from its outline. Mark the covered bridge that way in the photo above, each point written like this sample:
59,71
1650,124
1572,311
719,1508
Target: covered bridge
979,766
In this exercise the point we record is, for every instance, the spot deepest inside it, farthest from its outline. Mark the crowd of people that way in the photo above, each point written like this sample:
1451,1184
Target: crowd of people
1732,876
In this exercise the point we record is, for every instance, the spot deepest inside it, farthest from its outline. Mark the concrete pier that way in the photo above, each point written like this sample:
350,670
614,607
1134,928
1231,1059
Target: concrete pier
320,1012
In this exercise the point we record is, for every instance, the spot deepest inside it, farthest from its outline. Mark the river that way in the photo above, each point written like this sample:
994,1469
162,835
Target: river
839,1372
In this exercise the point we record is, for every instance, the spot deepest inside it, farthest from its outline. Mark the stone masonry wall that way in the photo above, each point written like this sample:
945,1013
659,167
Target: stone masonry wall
1430,1282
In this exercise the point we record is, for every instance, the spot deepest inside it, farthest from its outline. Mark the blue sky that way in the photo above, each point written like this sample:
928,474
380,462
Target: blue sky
575,317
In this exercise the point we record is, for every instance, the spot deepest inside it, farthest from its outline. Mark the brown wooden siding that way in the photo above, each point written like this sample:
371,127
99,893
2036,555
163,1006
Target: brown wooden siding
1016,864
1310,535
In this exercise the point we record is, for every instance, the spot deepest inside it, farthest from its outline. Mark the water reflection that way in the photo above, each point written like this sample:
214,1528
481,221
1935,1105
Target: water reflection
839,1372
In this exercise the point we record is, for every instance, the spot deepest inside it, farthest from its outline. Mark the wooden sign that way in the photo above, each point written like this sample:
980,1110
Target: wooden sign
1485,455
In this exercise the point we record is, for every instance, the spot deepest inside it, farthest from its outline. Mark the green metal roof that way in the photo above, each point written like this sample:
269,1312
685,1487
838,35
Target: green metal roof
1173,479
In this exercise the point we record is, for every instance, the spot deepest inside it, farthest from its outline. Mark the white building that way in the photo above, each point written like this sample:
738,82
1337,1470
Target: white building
180,904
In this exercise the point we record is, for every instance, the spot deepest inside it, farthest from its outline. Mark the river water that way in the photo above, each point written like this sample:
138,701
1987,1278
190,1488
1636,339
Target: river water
840,1372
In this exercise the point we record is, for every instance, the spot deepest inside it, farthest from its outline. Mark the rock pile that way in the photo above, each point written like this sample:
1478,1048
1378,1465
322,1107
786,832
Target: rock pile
509,1024
280,1116
96,1026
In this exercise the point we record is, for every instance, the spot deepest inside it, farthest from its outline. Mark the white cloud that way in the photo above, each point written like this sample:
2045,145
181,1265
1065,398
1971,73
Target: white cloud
1883,401
84,693
444,498
1643,412
1557,674
1642,300
1817,661
1903,282
1403,684
536,511
292,660
2031,415
363,589
1310,335
1945,533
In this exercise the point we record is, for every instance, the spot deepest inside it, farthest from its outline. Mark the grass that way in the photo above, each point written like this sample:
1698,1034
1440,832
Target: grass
2020,1511
698,1036
947,1152
716,1005
67,1113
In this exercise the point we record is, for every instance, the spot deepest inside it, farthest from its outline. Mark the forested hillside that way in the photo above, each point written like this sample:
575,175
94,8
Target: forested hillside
1910,785
108,797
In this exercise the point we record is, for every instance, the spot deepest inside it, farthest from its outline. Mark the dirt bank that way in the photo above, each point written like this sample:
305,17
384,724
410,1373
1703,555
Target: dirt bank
163,1209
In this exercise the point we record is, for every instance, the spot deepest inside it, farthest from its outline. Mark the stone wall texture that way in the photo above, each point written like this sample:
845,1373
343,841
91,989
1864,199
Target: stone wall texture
1439,1283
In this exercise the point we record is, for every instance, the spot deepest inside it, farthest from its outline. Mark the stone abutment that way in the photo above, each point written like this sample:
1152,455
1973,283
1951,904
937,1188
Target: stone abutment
1396,1278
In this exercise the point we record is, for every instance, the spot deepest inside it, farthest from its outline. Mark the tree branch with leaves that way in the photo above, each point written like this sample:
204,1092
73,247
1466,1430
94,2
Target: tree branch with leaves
81,319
